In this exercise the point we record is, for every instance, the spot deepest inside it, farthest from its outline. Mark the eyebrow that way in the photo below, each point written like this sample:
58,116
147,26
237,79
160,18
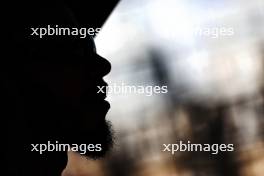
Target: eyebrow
91,39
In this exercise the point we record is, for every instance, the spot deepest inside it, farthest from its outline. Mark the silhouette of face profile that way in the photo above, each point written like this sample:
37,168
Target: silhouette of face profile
62,100
56,82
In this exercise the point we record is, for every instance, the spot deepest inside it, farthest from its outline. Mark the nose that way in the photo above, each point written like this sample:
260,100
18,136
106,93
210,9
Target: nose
103,66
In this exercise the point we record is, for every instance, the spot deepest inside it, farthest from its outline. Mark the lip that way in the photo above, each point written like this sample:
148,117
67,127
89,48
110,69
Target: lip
96,99
101,96
101,91
101,107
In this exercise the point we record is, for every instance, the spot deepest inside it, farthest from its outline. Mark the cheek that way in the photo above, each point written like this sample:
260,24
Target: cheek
58,79
64,85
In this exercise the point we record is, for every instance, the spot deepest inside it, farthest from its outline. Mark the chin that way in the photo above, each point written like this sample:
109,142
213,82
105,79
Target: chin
87,124
103,136
100,133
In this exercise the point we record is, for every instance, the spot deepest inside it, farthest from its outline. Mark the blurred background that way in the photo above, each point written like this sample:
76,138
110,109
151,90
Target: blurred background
210,54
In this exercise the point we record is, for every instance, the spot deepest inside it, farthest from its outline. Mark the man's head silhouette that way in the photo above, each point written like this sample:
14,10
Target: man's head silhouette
51,89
